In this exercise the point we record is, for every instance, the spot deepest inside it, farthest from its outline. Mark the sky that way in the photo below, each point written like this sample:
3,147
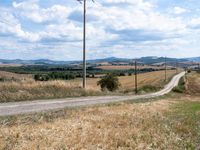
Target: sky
52,29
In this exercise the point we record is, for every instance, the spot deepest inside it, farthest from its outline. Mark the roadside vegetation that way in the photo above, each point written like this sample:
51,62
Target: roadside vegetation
181,86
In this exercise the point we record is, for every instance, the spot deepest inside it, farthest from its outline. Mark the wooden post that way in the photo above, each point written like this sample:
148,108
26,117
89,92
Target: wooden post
136,83
84,44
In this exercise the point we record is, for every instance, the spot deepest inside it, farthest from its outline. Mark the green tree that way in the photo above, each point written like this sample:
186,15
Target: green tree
109,82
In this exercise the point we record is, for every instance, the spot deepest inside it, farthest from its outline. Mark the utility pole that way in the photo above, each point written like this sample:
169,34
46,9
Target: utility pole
84,41
84,44
136,83
165,69
176,66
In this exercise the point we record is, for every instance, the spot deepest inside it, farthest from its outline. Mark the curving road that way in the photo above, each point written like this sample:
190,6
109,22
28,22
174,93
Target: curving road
16,108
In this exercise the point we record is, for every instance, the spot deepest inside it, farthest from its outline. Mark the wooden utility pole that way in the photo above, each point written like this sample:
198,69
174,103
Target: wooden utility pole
84,44
165,69
176,66
136,83
84,41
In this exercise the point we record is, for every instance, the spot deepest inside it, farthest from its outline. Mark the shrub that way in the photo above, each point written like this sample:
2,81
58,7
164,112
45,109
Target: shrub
41,77
122,74
109,82
181,87
54,76
1,79
130,74
148,88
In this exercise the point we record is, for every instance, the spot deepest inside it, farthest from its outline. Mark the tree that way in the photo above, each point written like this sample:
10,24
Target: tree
109,82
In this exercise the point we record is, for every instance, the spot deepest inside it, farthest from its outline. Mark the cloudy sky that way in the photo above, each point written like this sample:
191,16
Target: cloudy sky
35,29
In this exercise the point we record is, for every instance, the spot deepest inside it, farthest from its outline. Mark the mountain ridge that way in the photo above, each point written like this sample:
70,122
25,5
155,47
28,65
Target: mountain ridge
145,60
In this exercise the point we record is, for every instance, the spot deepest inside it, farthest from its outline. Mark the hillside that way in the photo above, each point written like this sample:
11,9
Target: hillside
143,60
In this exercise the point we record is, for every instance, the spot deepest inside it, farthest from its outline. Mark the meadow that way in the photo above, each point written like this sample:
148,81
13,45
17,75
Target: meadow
19,87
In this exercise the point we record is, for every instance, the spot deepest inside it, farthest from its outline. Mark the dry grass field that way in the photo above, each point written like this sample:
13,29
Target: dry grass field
10,65
128,82
171,122
193,87
25,88
112,67
8,76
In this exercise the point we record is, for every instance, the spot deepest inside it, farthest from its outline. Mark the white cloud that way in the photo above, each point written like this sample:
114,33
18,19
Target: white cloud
32,11
179,10
9,25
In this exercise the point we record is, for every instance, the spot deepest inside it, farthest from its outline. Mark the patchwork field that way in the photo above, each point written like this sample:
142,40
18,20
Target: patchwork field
170,122
25,88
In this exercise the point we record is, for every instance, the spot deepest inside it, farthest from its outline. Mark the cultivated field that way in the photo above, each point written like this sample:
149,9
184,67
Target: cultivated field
28,89
171,122
10,65
128,82
112,67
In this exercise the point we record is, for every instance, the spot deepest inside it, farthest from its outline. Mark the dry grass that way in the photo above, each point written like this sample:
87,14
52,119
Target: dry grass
127,82
8,76
122,126
19,91
112,67
10,65
170,123
193,84
25,88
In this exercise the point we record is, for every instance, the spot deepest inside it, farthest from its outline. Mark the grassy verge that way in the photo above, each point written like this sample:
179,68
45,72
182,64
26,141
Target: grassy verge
19,91
181,86
185,121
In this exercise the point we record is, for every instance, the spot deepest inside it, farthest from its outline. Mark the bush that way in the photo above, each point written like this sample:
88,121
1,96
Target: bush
54,76
1,79
109,82
129,74
122,74
148,88
181,87
41,77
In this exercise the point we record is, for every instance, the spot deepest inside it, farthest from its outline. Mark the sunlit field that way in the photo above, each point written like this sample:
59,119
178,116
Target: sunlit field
22,87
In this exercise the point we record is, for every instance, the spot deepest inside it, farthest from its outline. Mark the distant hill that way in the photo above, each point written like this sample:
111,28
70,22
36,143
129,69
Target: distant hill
145,60
195,59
